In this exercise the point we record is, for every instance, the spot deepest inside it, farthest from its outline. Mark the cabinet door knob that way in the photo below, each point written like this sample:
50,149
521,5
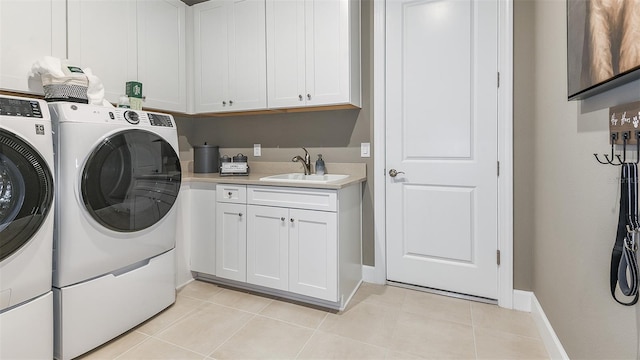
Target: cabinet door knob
281,219
240,214
230,194
224,103
300,97
291,220
308,96
230,102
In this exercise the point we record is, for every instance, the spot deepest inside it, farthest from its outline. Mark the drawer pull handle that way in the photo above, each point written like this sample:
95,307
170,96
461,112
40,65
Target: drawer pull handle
281,219
240,214
230,193
291,220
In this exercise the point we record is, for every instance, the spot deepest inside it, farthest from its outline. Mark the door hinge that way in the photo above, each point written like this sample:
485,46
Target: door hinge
498,168
498,257
498,79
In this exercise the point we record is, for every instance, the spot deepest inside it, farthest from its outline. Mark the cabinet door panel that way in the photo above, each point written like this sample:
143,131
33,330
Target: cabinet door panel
231,241
267,246
327,52
247,56
211,63
313,254
285,53
202,198
102,36
161,54
26,35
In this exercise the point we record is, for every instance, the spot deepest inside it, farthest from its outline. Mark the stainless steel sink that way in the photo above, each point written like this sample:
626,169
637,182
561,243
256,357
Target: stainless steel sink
302,178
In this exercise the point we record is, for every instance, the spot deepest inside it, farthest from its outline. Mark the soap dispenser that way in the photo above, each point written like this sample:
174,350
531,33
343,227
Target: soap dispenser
320,170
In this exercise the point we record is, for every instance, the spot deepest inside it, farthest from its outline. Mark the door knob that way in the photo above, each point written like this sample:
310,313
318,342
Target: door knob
393,172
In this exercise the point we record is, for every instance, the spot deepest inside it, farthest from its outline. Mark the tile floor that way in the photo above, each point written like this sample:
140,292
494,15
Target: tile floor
381,322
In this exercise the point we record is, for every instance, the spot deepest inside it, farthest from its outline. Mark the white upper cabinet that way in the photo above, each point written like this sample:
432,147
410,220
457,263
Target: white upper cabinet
229,56
29,30
102,37
313,52
161,54
124,41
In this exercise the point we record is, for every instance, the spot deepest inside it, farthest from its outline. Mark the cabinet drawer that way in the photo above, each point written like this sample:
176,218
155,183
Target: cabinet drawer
231,193
299,198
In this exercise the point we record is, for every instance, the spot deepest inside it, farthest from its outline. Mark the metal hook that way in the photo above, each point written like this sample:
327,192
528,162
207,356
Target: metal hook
614,138
637,146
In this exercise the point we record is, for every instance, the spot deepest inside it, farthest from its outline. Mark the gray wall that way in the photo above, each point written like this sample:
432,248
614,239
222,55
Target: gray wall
334,134
565,202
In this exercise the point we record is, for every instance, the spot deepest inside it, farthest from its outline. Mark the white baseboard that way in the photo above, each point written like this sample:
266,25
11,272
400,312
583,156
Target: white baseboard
549,337
527,301
370,274
522,300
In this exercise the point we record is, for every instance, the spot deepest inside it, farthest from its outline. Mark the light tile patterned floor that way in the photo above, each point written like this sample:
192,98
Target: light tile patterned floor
381,322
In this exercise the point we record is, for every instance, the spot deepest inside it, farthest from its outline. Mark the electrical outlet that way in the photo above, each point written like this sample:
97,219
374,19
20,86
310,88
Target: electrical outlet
365,150
257,150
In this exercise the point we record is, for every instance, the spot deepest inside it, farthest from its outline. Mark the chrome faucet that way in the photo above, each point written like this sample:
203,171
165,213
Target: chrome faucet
306,161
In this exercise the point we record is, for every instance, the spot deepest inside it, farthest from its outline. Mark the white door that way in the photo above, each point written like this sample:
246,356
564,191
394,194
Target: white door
441,116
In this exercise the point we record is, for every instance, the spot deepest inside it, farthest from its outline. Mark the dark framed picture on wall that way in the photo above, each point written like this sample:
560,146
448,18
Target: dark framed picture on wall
603,45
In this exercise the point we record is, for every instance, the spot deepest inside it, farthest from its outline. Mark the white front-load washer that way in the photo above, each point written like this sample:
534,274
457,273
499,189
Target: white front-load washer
26,229
114,260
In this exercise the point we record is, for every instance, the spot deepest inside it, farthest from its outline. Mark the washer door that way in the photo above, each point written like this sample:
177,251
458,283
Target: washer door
131,180
26,192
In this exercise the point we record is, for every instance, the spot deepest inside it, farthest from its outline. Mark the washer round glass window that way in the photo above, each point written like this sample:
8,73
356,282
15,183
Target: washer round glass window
26,192
131,180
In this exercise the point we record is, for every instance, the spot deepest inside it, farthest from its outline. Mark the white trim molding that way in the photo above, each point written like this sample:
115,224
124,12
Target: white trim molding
505,153
522,300
379,162
526,301
548,335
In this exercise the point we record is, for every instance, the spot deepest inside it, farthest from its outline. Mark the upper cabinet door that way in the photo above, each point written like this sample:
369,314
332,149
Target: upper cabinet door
102,36
29,30
286,53
230,66
313,53
162,54
247,56
328,52
211,64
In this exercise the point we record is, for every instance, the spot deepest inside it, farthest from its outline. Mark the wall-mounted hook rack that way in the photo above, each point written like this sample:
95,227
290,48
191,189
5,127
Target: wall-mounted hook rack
624,129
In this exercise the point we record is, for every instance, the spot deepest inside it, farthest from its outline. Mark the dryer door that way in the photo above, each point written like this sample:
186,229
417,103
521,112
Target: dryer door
131,180
26,192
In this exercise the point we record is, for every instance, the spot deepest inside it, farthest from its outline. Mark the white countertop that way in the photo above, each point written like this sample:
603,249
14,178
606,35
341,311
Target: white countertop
357,174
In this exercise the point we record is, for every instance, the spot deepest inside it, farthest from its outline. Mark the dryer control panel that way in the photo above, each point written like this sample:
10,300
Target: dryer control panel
19,107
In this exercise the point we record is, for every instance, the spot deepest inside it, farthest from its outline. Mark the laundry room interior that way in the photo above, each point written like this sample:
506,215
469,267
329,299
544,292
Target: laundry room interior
204,179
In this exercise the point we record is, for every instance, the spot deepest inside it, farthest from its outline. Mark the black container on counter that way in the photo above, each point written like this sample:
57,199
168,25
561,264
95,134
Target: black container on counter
205,158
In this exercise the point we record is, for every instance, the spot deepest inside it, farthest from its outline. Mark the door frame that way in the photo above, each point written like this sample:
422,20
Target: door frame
377,273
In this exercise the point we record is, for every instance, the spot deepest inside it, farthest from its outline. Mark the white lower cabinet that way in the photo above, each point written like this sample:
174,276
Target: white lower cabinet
231,241
268,246
300,243
313,254
202,228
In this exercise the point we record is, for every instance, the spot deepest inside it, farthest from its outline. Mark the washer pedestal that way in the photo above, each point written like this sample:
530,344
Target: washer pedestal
26,331
93,312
